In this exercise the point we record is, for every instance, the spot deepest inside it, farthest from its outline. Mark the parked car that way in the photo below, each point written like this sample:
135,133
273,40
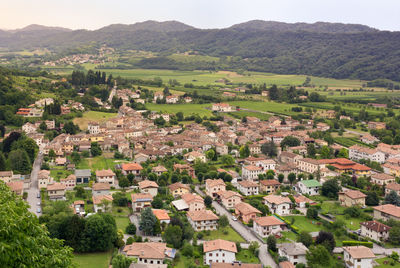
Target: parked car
234,218
38,195
38,204
39,210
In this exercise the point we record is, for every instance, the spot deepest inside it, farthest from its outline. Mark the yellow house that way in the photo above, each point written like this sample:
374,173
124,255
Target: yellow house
178,189
96,138
68,147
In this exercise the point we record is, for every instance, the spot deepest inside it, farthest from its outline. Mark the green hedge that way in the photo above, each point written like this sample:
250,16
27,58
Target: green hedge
358,243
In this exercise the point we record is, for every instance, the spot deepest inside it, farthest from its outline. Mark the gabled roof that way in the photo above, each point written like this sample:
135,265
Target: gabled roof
228,194
270,183
359,252
149,250
389,209
98,198
83,172
219,244
161,214
276,199
376,226
131,166
178,185
56,186
202,215
147,184
354,194
269,221
212,183
99,186
246,209
310,183
141,197
247,184
293,248
104,173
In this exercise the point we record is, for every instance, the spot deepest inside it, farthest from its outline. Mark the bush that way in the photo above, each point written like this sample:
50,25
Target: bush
131,229
130,240
358,243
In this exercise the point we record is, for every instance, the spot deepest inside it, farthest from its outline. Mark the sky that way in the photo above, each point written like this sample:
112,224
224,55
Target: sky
94,14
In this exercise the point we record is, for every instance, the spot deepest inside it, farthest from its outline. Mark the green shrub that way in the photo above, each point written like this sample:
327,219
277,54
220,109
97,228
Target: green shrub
358,243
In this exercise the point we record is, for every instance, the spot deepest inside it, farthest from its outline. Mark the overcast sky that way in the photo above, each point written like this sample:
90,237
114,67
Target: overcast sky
94,14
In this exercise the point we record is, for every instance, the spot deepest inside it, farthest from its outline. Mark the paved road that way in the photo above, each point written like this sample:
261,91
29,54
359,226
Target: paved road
34,189
264,256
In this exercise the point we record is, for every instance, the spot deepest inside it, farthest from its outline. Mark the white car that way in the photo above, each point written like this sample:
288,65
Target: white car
234,218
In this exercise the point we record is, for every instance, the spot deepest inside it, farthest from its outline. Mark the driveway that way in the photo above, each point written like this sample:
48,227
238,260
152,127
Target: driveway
263,255
34,189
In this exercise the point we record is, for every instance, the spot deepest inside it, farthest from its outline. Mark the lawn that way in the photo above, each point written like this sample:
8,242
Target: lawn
122,222
245,256
337,211
87,117
305,224
59,173
387,260
232,235
186,109
98,163
93,260
184,262
287,237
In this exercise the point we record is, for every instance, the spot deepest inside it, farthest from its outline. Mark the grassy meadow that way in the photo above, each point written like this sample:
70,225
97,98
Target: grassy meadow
87,117
92,260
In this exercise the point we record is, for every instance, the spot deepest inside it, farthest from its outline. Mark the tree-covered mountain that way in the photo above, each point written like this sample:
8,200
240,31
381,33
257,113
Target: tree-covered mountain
320,49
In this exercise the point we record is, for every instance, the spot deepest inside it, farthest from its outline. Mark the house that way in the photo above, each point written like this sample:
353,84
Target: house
236,264
294,252
286,264
16,187
149,252
194,155
82,175
214,186
141,201
185,168
158,95
392,187
203,220
357,152
106,176
172,99
246,212
387,212
93,128
148,187
268,225
158,170
6,176
278,204
352,198
248,187
161,215
376,125
178,189
194,202
229,199
309,165
219,251
382,179
310,187
56,191
251,172
302,201
44,178
288,157
375,230
369,139
79,207
269,186
343,165
222,107
132,168
60,161
101,188
140,158
70,182
358,256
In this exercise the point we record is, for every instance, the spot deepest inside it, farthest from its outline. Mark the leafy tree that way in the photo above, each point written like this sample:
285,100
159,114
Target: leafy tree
18,161
312,213
80,192
121,261
131,229
179,116
271,243
208,201
318,256
326,152
311,151
95,149
244,151
187,250
173,235
269,148
158,202
330,188
147,221
305,238
120,199
100,233
71,128
343,153
291,177
123,182
210,154
131,178
227,160
25,242
394,235
326,239
281,177
290,141
223,221
372,199
3,162
392,198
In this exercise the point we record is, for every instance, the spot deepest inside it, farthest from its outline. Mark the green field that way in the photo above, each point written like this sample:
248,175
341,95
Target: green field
348,142
305,224
87,117
232,235
388,260
241,114
122,223
266,106
98,163
186,109
93,260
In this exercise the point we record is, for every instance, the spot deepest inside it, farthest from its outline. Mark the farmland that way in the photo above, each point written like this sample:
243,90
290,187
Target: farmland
87,117
186,109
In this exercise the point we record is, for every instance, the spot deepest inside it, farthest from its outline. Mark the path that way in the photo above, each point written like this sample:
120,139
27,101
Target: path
264,255
34,189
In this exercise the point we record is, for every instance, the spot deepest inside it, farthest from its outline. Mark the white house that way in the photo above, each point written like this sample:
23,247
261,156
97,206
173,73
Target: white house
278,204
251,172
375,230
219,251
222,107
148,187
150,253
294,252
268,225
106,176
310,187
248,187
203,220
358,256
357,152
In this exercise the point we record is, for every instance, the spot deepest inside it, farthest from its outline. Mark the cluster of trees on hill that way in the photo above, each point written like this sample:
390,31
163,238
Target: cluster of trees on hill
17,153
79,78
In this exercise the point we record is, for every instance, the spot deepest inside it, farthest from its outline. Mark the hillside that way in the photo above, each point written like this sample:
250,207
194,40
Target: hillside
320,49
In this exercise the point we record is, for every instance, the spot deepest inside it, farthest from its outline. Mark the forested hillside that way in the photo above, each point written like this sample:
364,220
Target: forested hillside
329,50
